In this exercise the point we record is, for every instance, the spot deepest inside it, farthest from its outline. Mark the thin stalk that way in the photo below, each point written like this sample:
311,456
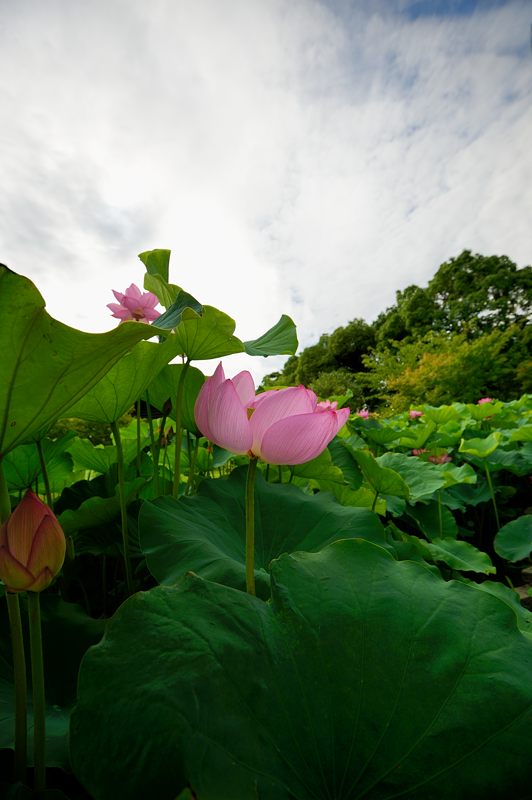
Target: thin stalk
492,493
440,514
19,660
39,704
250,526
179,427
154,448
19,671
137,458
44,473
373,505
123,509
192,468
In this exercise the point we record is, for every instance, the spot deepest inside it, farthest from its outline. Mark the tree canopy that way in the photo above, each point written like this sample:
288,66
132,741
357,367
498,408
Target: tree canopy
465,335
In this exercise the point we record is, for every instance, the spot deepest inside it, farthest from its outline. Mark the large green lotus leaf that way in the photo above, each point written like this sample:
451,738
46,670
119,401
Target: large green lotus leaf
280,340
100,458
207,336
125,382
182,301
46,366
481,448
421,477
521,434
341,455
206,533
382,479
441,415
364,678
22,466
164,387
484,410
454,475
514,540
320,473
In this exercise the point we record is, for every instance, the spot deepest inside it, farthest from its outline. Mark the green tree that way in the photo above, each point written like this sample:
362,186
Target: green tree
349,344
478,293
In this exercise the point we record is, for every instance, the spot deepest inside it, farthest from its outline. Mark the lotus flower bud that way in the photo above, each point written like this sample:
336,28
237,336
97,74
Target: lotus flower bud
32,546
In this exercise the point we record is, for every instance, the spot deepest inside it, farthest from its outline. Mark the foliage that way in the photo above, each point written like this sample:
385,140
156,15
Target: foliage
384,653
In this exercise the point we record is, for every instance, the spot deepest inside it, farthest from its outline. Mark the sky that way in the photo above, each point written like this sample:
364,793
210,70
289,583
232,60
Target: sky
305,157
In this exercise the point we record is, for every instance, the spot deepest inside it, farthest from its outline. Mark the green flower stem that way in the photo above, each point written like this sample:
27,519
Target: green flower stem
192,468
440,514
179,427
19,670
137,459
123,509
155,448
44,473
492,493
374,504
39,704
250,526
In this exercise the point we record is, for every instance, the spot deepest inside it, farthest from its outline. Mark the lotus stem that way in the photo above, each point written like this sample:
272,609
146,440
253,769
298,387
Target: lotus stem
44,473
123,509
374,504
154,448
19,672
137,459
39,704
492,493
179,427
250,526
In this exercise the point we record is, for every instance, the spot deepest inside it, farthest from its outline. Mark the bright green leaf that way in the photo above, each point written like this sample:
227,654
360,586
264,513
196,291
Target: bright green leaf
514,540
279,340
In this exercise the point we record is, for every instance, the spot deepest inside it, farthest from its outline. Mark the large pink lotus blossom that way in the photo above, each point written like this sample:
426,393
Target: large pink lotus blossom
134,304
484,400
285,426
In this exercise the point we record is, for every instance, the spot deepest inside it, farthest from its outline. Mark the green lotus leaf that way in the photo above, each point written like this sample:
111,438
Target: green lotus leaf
363,678
206,533
279,340
514,540
46,367
481,448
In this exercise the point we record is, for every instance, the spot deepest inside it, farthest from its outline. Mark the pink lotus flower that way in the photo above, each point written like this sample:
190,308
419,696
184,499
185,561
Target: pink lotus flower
418,451
364,413
413,414
287,426
32,546
484,400
134,304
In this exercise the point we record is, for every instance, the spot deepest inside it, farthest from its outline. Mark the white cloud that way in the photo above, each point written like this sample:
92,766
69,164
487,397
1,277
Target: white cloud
294,158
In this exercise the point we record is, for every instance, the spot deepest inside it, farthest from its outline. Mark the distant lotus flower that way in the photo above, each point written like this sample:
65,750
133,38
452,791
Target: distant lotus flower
418,451
443,459
286,426
484,400
32,546
413,414
364,413
134,304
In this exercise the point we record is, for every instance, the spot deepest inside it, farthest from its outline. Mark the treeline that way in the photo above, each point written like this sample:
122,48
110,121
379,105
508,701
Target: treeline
467,335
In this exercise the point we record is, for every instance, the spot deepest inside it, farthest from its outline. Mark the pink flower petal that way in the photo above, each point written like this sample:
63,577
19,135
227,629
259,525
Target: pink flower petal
245,387
22,525
119,312
228,419
273,406
14,575
133,292
119,296
297,439
48,548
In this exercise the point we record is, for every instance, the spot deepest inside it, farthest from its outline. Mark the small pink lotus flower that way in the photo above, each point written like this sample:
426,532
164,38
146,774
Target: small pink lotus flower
484,400
363,413
32,546
285,426
418,451
413,414
134,304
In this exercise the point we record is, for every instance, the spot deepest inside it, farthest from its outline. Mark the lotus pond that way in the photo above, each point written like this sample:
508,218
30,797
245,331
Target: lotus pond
244,594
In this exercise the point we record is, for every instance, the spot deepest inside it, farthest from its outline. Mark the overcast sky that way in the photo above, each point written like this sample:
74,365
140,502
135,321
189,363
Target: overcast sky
307,157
